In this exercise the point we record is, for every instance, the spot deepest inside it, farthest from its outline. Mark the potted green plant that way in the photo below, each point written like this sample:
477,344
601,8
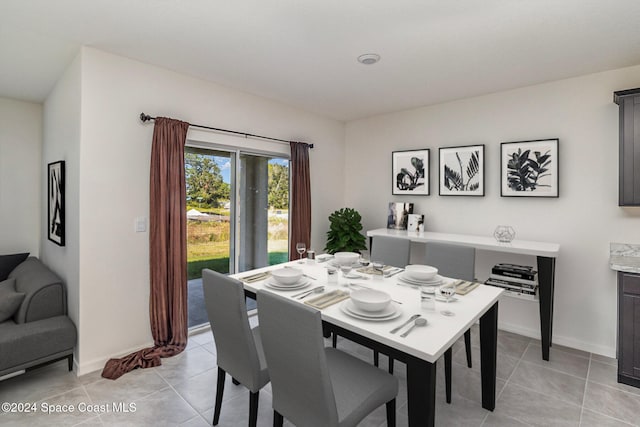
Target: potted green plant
344,232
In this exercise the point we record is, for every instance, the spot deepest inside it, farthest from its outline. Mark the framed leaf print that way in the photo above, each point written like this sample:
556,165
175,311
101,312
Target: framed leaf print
529,168
462,171
410,172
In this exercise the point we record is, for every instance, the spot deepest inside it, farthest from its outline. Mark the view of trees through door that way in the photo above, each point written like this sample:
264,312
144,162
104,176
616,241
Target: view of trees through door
237,216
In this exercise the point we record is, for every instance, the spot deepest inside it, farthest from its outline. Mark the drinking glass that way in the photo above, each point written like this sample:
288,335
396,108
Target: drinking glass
332,276
364,259
427,302
301,248
377,269
346,269
447,292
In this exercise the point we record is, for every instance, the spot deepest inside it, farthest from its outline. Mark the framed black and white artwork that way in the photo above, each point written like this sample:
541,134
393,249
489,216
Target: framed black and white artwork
55,213
410,172
529,168
462,171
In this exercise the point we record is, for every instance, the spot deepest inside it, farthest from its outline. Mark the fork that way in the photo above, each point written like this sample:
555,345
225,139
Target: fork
309,292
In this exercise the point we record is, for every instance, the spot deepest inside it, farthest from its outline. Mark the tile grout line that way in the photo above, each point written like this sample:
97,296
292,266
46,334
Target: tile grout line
198,414
584,393
508,380
556,370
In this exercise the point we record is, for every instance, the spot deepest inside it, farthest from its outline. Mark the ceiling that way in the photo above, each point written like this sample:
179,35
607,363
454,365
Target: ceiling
303,52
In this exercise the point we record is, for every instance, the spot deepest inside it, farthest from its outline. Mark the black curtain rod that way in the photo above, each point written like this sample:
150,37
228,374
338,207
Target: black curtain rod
145,118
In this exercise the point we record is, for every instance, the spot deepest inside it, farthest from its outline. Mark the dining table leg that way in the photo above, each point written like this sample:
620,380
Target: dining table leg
421,392
488,352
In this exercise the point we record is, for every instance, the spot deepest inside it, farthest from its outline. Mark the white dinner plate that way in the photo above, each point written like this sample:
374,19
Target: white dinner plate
335,264
349,309
388,310
440,298
438,280
300,284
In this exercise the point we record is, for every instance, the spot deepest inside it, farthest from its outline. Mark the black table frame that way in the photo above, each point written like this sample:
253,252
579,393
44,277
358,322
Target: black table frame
421,374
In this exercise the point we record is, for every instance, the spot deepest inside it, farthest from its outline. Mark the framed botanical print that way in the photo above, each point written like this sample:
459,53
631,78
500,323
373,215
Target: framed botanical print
55,212
461,171
529,168
410,172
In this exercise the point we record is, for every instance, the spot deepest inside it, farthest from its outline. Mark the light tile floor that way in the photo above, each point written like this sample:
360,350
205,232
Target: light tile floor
573,389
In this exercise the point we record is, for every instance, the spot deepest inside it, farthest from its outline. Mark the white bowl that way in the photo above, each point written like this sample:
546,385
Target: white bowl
346,258
287,276
370,299
421,272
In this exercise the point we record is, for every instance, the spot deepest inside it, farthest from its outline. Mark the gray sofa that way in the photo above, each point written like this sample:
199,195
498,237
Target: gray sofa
40,332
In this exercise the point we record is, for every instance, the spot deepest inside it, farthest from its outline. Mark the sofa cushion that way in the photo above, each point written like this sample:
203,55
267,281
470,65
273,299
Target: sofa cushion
9,262
10,300
34,341
45,295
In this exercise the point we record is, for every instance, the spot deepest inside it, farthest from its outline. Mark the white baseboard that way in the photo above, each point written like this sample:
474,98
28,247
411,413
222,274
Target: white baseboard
98,363
560,340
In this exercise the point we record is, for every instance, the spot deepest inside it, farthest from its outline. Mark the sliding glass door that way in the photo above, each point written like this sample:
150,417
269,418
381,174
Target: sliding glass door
237,215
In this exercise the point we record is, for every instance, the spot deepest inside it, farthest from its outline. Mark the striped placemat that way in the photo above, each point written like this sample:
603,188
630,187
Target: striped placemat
328,299
466,287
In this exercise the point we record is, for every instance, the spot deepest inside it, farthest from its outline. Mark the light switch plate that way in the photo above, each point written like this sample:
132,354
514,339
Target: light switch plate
141,224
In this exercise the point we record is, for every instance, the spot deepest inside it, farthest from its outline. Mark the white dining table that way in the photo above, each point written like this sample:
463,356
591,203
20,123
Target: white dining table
423,346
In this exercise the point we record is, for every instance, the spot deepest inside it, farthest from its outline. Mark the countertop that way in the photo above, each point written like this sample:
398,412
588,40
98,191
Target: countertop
624,257
489,243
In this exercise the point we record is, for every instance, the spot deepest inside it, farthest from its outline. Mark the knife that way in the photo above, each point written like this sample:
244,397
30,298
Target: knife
308,291
411,319
400,270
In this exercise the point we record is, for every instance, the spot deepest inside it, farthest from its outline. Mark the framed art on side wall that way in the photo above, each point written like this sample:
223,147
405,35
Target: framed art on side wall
410,172
529,168
55,212
462,171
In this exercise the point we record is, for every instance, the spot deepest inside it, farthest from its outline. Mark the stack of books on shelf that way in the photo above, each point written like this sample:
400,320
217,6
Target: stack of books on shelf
517,280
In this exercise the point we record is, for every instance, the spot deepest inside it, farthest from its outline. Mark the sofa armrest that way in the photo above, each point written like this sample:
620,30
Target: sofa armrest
45,294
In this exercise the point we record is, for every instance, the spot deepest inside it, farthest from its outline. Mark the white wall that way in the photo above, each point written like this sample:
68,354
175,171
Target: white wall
62,142
114,183
20,170
584,220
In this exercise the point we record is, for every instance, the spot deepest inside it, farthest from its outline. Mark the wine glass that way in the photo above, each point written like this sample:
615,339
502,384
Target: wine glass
346,269
447,292
301,248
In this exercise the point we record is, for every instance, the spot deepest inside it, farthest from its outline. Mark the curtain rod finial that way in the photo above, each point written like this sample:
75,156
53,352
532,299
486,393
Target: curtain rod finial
145,117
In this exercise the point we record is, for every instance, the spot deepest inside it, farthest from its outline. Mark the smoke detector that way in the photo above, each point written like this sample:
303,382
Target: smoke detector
369,58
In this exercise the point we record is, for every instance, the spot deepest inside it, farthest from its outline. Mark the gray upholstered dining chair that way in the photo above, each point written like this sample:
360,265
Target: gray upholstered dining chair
391,251
458,262
313,385
238,346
